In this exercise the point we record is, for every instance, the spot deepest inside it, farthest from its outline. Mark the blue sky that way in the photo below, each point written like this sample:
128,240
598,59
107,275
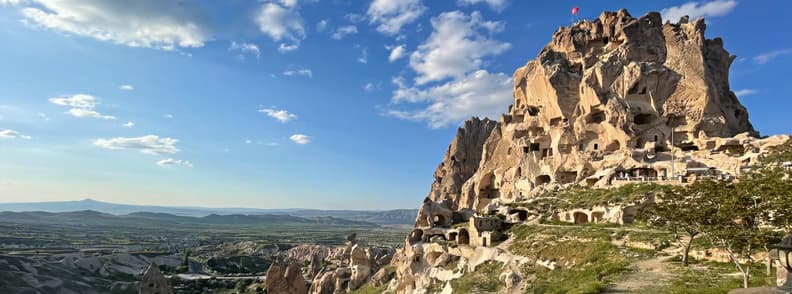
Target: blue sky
306,103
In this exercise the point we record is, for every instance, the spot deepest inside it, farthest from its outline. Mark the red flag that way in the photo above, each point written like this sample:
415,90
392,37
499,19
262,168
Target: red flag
575,10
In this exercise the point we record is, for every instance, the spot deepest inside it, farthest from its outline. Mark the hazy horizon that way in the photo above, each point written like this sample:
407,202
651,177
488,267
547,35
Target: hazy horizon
282,104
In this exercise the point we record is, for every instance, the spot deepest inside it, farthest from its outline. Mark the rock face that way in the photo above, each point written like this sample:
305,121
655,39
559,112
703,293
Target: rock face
607,102
285,279
355,267
154,282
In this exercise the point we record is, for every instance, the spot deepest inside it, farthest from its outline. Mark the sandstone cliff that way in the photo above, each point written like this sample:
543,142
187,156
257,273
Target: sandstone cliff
607,102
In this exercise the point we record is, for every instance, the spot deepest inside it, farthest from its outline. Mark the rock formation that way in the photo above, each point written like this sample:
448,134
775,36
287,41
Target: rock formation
154,282
285,279
356,266
607,102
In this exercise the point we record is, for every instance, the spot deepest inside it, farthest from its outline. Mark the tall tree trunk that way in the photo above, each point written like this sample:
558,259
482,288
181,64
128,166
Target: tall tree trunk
769,266
687,250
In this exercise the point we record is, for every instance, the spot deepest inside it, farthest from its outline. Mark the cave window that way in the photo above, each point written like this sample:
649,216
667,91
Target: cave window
643,91
643,118
596,146
508,152
533,110
655,138
605,41
543,179
596,117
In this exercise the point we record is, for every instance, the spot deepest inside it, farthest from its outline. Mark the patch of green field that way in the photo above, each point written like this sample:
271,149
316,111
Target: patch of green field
483,280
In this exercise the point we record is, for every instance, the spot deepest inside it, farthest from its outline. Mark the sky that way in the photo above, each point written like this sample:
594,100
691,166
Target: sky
332,104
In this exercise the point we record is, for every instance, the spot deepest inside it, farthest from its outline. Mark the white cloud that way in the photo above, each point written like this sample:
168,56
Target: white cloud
456,46
85,112
283,48
164,24
745,92
129,124
371,87
391,15
243,48
11,134
354,17
281,115
11,2
150,144
321,25
281,23
497,5
248,141
341,32
479,93
174,162
767,57
43,116
363,56
397,52
300,139
696,9
289,3
78,101
82,105
168,116
298,72
126,88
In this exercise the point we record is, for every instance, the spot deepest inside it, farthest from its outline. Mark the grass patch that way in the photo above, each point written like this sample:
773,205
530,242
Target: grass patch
712,278
483,280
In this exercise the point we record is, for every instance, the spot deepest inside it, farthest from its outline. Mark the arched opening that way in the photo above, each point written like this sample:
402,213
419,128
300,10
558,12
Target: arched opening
543,179
522,215
519,172
416,236
596,146
597,216
463,238
438,220
580,218
452,236
484,242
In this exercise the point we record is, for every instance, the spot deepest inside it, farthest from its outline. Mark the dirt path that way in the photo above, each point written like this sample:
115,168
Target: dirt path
645,275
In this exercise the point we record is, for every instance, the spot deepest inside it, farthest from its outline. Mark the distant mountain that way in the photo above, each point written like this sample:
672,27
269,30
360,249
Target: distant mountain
384,217
94,218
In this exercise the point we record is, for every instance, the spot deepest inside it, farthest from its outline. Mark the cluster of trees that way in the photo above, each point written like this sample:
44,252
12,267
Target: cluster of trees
741,217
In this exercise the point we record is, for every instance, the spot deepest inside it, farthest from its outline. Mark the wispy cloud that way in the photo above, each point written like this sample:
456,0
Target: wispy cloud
150,144
396,52
342,32
391,15
126,87
695,9
298,72
174,162
11,134
163,24
281,23
245,48
82,105
745,92
301,139
497,5
281,115
767,57
363,56
129,124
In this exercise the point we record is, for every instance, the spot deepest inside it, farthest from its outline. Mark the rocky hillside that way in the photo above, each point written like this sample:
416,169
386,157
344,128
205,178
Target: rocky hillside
608,103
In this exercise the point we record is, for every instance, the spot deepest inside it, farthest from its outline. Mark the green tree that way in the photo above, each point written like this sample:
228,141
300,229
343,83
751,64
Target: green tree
681,210
735,224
